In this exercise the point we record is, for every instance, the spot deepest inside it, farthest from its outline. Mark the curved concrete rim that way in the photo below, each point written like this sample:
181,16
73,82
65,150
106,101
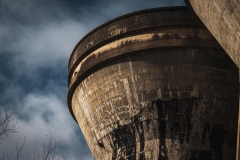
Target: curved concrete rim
122,17
76,57
189,7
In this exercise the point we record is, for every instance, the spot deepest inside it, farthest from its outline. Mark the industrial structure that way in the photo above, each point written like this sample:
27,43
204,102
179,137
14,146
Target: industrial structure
155,84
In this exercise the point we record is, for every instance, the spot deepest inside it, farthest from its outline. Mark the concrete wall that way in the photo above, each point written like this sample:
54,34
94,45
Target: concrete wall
222,19
154,84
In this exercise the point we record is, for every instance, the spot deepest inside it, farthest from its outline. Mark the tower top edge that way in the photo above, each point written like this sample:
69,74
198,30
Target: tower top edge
159,9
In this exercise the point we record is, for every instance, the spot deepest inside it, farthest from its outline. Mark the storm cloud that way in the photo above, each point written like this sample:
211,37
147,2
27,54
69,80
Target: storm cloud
36,39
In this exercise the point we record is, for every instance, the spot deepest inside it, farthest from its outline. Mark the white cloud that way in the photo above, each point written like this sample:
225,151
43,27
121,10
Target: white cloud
42,34
45,113
46,46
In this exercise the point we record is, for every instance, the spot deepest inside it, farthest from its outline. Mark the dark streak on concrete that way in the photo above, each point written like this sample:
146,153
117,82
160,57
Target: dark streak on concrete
174,118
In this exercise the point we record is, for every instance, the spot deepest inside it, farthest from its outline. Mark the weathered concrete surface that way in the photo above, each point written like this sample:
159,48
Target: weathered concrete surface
129,25
222,18
161,88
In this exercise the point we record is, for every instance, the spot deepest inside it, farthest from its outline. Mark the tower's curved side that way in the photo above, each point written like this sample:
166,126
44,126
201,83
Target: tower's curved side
222,19
154,84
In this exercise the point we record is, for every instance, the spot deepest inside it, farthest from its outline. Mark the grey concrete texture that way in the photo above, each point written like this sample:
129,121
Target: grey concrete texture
154,84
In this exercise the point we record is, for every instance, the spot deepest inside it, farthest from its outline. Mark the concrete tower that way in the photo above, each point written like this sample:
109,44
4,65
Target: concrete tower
154,84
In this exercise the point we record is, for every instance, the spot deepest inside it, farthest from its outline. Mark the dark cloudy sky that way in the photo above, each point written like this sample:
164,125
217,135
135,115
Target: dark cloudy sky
36,40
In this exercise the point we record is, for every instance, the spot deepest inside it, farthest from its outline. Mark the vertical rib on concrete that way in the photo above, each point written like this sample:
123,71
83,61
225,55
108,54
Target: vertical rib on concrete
154,85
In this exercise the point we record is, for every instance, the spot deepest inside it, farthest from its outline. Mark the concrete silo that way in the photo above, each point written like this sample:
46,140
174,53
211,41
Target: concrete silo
154,84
